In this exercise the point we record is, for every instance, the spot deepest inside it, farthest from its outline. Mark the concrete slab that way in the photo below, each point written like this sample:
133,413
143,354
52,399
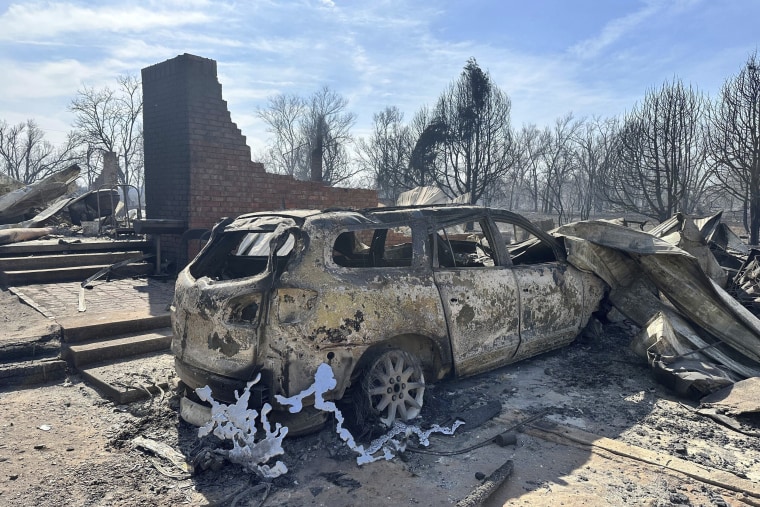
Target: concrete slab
117,347
131,379
76,273
34,340
52,261
34,327
87,326
26,336
31,372
74,244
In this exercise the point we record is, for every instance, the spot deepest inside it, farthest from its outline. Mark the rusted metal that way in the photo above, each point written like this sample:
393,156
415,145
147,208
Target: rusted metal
279,293
16,203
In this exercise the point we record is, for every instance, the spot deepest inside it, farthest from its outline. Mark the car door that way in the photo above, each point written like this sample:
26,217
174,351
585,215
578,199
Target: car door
550,291
377,291
480,298
551,299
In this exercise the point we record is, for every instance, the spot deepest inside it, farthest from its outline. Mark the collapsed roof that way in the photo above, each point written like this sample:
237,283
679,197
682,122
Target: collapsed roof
669,283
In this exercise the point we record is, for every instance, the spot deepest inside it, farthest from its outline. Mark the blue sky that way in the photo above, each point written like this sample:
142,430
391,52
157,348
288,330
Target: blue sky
589,57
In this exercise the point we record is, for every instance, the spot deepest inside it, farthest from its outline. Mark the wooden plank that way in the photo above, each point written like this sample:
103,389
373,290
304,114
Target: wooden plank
571,436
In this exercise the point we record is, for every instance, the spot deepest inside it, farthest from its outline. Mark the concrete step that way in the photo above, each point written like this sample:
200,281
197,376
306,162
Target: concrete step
91,327
51,246
116,347
24,373
133,378
68,260
81,273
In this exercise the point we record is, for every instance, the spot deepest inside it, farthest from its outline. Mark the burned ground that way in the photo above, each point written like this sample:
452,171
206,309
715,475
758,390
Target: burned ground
595,385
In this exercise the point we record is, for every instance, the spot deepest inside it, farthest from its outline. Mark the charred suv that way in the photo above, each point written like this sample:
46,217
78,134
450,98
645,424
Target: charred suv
389,297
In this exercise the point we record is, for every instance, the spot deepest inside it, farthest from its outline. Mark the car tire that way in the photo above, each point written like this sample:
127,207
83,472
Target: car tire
393,386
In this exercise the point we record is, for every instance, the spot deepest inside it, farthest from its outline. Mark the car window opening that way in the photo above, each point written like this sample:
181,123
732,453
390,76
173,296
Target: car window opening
524,247
373,248
460,246
240,254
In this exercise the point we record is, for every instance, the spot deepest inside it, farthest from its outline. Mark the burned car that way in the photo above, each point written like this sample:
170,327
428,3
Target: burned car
390,298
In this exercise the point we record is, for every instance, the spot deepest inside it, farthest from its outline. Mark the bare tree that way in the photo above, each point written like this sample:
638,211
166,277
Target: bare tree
327,130
302,129
559,166
559,169
734,141
111,120
385,154
26,156
477,148
660,165
429,136
288,153
512,188
532,146
594,150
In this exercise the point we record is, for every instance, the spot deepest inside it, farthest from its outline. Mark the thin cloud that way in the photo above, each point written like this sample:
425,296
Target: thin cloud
51,79
134,50
615,30
32,21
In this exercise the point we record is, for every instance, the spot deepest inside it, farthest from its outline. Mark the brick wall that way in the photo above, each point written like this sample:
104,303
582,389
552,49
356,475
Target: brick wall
198,166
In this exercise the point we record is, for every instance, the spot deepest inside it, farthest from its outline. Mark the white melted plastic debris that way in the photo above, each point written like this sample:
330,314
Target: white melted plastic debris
389,444
324,381
238,423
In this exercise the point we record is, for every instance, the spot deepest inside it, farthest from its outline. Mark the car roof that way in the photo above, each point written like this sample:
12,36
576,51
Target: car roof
439,213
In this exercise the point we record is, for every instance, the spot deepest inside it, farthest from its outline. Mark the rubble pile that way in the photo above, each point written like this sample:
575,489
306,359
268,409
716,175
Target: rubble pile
56,204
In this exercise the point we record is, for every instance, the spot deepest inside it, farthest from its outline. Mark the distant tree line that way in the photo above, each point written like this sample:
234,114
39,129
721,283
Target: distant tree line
676,150
105,120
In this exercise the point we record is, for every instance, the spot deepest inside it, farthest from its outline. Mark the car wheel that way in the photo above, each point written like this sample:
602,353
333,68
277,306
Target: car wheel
394,386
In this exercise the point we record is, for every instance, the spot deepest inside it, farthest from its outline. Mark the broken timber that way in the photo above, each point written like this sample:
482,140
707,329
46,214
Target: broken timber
490,484
602,445
16,235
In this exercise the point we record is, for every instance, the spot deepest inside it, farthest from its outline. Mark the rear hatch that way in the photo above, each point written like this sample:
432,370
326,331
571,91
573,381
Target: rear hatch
221,298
